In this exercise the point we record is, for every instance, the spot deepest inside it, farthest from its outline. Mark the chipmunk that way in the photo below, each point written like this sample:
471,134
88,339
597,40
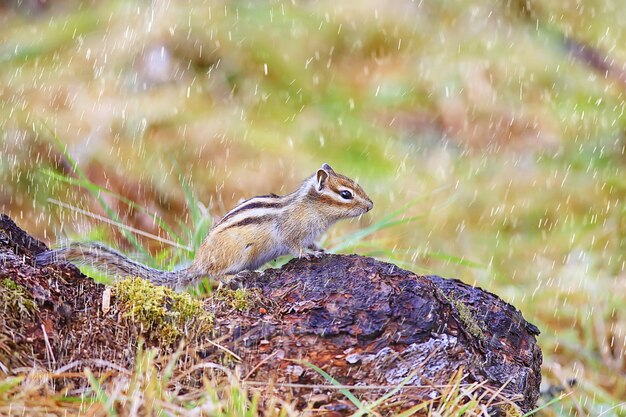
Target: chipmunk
254,232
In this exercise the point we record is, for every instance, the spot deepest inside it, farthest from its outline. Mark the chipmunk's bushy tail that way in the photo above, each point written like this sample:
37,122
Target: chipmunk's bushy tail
112,262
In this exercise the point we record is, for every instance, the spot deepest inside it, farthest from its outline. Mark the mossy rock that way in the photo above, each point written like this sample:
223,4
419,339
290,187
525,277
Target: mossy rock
17,308
15,300
159,312
240,299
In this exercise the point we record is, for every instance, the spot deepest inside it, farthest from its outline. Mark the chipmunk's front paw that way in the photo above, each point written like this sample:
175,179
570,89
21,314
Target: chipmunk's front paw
312,254
316,251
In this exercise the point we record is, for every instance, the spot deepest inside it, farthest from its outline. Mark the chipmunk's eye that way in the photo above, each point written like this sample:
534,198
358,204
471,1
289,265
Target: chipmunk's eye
345,194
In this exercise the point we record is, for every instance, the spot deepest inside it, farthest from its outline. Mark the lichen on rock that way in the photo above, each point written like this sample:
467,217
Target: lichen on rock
466,316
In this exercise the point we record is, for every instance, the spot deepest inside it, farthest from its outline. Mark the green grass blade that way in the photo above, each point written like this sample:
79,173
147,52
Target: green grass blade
9,383
385,223
548,404
109,211
202,221
191,200
343,390
454,260
101,395
95,188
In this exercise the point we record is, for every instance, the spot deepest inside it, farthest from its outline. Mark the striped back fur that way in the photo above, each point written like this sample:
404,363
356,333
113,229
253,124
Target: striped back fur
254,210
332,196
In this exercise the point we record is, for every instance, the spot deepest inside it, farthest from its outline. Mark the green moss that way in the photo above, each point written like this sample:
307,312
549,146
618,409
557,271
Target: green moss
160,312
14,299
240,299
466,316
510,410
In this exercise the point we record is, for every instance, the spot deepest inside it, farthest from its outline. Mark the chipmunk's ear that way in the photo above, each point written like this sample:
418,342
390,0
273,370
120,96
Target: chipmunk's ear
322,177
327,168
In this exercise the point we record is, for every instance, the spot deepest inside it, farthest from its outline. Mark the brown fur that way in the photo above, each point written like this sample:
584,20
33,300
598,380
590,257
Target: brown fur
251,234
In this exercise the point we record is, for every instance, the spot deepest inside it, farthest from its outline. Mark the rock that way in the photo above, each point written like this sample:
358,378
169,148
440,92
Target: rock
64,323
363,321
367,322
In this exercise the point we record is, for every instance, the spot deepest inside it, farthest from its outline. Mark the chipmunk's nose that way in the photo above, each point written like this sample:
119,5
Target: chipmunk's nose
369,206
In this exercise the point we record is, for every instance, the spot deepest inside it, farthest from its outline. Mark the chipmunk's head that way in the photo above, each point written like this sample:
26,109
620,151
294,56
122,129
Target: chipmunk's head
339,196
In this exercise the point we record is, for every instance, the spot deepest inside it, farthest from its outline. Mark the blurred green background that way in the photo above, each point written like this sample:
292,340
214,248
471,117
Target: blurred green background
496,127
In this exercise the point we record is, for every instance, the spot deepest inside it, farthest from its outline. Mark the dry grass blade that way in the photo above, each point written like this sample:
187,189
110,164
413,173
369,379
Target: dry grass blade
148,390
118,224
100,363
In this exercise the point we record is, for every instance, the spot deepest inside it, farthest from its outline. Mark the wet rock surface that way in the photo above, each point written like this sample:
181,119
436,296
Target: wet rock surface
369,322
65,322
363,321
